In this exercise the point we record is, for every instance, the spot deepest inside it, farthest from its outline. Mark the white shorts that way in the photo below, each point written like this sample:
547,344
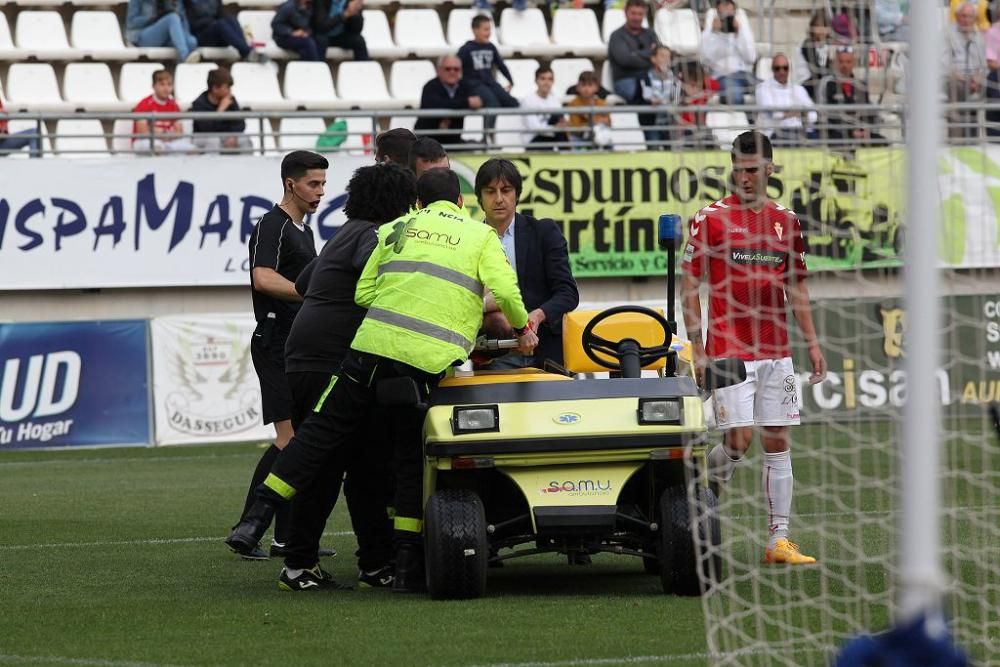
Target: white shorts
768,397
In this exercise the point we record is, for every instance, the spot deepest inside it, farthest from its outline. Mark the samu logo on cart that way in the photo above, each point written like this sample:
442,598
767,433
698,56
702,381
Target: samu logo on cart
581,487
567,418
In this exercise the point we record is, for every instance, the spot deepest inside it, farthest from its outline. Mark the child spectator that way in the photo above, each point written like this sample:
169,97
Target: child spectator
291,27
599,124
660,89
222,134
165,135
543,129
480,60
161,23
697,89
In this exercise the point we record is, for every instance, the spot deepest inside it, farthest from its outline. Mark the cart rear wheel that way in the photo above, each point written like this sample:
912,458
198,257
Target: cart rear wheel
455,544
682,550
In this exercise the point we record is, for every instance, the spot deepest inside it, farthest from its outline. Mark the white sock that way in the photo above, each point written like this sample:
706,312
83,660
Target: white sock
292,573
777,482
721,464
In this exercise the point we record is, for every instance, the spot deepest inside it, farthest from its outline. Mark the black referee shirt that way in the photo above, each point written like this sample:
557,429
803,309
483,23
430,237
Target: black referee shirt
329,317
276,243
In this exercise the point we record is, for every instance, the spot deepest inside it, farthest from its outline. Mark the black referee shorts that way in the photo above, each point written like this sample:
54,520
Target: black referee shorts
268,355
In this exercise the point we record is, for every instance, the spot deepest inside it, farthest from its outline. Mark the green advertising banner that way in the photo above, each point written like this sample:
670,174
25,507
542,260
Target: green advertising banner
864,341
850,206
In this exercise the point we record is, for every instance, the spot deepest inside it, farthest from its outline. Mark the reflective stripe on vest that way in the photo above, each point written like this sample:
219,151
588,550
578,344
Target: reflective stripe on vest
427,268
419,326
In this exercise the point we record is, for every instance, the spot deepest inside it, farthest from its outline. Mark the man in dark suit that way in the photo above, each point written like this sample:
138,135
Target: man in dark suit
446,91
537,251
847,128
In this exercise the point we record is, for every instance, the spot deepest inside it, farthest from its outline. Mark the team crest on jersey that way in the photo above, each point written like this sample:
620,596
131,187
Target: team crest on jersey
779,230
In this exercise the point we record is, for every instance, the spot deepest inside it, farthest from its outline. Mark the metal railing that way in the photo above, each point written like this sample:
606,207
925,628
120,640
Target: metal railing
500,129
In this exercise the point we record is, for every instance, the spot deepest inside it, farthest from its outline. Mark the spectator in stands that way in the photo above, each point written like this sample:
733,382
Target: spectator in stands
630,50
165,135
662,90
847,128
480,61
542,130
965,68
161,23
981,12
446,91
697,89
212,27
598,124
992,39
729,52
784,126
14,142
219,135
394,146
843,23
427,154
486,6
813,58
892,21
291,28
339,23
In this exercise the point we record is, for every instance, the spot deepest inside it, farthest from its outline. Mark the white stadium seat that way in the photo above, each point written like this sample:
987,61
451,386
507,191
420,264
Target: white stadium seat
121,137
190,81
81,138
97,35
256,24
299,133
255,86
42,34
135,81
525,32
89,86
508,132
523,71
7,49
363,84
606,79
726,126
679,30
359,136
577,32
378,37
310,86
418,32
566,71
407,79
626,132
261,135
33,87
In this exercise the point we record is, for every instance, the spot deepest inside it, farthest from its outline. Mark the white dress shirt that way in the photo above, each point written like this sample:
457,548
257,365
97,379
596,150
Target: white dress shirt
536,124
771,94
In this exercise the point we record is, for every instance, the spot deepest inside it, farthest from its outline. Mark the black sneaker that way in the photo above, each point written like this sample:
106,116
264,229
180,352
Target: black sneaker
256,554
380,578
313,579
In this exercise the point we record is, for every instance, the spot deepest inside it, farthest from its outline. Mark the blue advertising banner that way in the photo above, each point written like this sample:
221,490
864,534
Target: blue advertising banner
74,384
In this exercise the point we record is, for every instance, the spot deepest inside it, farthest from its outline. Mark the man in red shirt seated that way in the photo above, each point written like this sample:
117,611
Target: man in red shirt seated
754,254
160,136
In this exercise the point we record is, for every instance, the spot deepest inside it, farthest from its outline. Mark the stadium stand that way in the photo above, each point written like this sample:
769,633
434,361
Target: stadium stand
627,133
135,81
255,86
43,36
82,138
97,36
526,34
299,133
407,79
189,82
257,28
566,71
523,71
378,36
726,125
33,87
678,29
363,84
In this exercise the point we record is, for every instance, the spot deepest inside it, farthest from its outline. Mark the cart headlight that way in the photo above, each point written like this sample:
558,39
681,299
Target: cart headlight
659,411
475,419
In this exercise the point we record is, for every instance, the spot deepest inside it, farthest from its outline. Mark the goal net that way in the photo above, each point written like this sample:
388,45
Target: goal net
847,452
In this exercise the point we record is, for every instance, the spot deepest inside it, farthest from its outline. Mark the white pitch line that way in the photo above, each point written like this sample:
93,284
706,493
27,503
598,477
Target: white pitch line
85,662
642,659
129,543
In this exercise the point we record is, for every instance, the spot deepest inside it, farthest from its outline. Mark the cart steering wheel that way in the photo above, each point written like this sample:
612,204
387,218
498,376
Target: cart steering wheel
592,343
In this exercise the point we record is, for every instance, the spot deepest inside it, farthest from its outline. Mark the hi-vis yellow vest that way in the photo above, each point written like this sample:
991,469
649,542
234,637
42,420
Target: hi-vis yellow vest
423,288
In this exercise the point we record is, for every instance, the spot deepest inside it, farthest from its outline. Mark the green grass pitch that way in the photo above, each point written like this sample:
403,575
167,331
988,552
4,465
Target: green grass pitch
114,557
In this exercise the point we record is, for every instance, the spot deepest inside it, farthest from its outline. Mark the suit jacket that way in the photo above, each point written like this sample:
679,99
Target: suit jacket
435,96
545,279
831,90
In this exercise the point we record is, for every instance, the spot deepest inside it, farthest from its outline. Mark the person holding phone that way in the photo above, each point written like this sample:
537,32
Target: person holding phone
727,48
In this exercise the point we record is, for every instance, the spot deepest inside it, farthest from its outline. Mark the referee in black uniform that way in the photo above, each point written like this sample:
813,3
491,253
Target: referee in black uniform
280,247
320,338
